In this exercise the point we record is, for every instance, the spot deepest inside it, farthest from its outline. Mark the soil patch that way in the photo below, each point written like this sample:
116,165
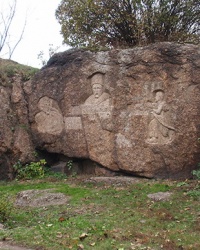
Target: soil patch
6,246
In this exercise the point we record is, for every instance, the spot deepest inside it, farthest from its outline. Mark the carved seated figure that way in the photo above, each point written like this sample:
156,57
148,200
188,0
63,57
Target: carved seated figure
160,130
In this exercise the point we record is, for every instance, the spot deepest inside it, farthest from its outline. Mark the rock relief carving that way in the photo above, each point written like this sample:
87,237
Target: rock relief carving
49,120
143,101
160,130
96,107
73,123
99,99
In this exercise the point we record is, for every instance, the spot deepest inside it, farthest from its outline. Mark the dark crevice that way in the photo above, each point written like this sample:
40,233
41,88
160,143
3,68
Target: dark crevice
78,166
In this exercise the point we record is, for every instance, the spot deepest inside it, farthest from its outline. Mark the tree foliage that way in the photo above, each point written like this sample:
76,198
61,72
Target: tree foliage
128,22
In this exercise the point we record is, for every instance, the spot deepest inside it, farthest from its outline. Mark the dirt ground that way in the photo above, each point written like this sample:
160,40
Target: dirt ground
6,246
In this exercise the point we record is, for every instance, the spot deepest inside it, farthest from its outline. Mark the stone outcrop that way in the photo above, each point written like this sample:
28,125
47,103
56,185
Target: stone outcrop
134,110
15,136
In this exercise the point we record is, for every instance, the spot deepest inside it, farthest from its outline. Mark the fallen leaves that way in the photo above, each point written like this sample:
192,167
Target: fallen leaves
83,236
61,219
80,246
59,235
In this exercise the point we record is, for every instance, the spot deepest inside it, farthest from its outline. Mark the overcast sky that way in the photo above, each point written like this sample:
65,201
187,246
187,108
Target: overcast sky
42,29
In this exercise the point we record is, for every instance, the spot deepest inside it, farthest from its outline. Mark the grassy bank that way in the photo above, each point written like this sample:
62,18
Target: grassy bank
10,69
106,216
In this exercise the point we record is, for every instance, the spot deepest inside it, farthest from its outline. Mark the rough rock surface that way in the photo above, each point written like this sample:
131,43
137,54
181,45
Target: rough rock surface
134,110
15,137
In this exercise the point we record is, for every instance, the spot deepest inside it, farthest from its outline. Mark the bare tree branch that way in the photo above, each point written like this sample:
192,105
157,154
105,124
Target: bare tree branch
5,25
12,49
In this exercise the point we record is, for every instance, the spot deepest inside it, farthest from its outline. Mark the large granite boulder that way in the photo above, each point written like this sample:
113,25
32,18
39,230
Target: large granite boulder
134,110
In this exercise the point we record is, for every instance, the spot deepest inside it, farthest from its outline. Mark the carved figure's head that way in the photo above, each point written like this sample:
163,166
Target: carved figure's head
44,103
97,83
159,95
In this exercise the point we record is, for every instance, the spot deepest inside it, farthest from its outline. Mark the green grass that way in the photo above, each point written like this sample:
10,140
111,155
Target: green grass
10,69
100,217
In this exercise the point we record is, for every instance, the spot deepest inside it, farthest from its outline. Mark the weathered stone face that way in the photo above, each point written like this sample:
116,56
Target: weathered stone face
15,138
134,110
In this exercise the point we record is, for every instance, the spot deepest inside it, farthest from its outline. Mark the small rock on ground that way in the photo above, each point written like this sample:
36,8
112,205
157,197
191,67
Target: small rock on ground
160,196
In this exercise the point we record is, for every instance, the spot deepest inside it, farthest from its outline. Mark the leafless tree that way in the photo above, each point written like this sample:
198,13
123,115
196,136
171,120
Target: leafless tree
5,24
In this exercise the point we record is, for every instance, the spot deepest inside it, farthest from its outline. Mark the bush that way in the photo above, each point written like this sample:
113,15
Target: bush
195,193
30,171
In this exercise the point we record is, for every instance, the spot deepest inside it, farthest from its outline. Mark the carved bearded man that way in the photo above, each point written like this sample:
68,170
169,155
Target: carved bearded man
99,97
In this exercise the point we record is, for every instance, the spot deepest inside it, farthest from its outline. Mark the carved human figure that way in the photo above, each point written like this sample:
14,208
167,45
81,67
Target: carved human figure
49,119
99,96
160,130
98,105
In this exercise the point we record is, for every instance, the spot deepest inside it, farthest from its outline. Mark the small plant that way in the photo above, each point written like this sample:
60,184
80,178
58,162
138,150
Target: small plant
30,171
69,164
196,173
181,184
42,56
35,153
5,209
71,168
194,193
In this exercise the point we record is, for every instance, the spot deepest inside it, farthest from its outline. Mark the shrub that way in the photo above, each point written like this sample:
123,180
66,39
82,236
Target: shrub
30,171
196,173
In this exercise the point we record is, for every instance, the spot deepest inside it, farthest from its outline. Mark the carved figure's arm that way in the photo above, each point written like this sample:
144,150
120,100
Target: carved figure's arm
159,108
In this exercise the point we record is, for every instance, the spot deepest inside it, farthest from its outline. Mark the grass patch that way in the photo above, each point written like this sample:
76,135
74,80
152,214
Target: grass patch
100,216
10,69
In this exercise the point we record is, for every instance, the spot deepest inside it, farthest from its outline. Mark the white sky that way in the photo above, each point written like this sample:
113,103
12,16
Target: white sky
42,29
